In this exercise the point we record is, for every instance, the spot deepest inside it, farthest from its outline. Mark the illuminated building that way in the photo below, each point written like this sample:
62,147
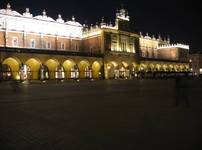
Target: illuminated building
196,63
39,47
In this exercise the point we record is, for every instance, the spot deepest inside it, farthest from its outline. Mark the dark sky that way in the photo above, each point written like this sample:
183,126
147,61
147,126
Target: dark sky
181,20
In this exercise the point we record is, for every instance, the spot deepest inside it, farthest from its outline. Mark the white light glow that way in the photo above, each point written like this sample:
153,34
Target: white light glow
12,20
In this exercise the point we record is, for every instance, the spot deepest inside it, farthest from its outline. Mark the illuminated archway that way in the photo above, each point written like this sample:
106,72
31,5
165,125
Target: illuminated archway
151,67
112,70
6,72
34,65
171,68
71,69
85,69
14,65
60,72
182,68
25,72
158,67
176,68
52,65
165,67
44,73
124,71
96,70
143,67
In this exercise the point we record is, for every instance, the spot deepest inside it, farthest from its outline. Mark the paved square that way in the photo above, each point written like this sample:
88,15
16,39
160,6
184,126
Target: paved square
100,115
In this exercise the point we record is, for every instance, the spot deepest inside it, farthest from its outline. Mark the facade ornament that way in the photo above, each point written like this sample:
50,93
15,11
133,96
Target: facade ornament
44,12
73,18
110,24
27,10
102,20
59,16
8,6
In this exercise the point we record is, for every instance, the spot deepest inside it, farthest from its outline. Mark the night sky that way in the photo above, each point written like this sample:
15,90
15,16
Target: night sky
180,20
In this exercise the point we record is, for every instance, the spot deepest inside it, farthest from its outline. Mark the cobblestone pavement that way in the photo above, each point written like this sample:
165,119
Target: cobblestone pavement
100,115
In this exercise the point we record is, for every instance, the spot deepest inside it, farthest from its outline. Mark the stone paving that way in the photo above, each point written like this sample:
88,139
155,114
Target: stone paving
100,115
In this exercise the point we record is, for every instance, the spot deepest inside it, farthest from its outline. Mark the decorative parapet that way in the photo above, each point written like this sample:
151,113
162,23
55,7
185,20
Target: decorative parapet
183,46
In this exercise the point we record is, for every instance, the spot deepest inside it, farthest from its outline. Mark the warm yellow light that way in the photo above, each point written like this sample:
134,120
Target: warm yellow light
17,77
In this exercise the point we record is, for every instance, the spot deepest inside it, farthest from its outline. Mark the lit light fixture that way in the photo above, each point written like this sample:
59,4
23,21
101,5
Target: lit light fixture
17,77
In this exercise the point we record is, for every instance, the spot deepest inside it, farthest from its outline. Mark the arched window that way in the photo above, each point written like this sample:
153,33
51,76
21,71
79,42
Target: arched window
6,72
88,72
74,72
44,73
25,72
59,73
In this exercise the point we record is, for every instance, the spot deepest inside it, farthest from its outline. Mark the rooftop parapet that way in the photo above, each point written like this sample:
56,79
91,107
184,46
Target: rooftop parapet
178,45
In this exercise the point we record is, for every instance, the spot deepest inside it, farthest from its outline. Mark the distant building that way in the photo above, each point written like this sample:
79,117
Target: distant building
39,47
196,63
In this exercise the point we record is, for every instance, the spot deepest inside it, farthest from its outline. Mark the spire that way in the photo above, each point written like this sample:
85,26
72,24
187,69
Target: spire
27,13
103,22
44,12
73,18
59,16
27,10
122,14
8,6
60,19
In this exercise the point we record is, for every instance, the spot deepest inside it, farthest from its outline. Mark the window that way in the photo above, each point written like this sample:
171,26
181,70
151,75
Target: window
124,43
123,46
62,46
132,45
15,42
32,43
114,42
76,46
49,45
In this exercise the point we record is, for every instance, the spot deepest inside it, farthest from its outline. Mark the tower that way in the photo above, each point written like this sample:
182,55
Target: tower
123,20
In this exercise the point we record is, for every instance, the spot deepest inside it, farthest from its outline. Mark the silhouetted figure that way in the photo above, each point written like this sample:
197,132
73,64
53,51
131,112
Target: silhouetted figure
182,92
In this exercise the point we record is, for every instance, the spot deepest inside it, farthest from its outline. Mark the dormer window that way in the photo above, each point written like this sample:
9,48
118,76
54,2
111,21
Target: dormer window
32,43
15,42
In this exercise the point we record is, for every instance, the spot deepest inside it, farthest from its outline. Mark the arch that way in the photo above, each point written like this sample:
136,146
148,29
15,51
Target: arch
60,72
143,67
177,68
112,70
158,67
96,69
44,73
135,67
165,67
14,65
84,69
70,67
182,68
6,72
34,65
124,71
171,68
124,64
52,65
187,67
151,67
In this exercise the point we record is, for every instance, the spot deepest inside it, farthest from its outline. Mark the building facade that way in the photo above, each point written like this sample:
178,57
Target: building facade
196,63
39,47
